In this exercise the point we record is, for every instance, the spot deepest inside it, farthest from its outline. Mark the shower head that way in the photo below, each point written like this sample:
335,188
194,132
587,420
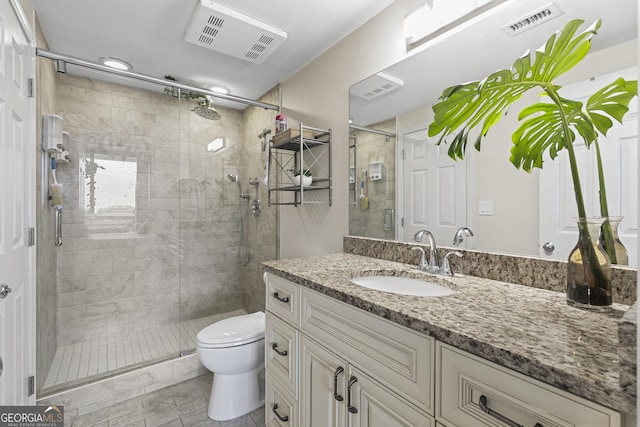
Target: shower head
233,178
205,110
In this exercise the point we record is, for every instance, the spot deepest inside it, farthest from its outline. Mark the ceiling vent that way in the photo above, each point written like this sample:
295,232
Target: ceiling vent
224,30
375,86
533,19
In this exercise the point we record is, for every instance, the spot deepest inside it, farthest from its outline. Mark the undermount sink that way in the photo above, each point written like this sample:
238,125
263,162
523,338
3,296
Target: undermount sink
403,286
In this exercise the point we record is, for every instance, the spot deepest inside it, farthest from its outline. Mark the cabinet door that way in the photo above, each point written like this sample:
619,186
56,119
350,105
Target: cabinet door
371,405
321,375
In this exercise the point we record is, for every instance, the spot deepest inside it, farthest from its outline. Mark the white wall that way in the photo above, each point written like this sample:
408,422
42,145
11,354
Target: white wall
319,95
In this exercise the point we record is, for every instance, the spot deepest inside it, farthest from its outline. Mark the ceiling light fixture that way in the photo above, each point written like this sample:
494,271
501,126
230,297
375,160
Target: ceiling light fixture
116,63
219,89
441,18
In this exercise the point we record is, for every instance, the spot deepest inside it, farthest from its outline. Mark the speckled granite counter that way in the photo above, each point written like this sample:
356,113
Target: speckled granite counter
529,330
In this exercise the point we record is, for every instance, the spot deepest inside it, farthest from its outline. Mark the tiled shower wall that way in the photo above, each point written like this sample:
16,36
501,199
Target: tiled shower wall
180,246
262,231
371,147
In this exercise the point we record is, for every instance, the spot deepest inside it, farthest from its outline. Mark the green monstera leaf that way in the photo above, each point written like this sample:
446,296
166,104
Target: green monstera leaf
466,106
543,130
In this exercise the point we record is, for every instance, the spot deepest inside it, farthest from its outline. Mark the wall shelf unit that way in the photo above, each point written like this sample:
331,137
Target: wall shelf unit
307,148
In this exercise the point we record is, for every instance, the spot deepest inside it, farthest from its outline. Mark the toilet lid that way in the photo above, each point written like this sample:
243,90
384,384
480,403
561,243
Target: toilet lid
233,331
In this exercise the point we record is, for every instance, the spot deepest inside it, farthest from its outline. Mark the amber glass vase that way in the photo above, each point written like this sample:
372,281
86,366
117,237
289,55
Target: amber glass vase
589,269
622,258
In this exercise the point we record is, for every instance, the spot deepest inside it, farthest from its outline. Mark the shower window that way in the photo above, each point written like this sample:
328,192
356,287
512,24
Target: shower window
108,193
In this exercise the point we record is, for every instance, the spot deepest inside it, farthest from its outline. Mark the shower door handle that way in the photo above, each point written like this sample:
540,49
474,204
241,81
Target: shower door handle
388,213
58,225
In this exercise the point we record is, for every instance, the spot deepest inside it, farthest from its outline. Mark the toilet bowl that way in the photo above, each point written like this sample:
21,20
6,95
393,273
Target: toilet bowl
233,349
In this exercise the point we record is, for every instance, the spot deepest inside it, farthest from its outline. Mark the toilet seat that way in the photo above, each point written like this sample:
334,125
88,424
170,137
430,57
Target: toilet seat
232,332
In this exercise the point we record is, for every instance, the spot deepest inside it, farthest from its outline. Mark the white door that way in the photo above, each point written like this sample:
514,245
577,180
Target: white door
434,195
620,159
17,212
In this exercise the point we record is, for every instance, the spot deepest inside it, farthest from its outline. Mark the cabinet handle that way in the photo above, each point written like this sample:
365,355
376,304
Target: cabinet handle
483,405
280,417
277,296
274,347
336,396
352,381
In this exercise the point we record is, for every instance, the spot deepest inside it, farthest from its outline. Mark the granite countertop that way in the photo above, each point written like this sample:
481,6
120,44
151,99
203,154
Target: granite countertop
529,330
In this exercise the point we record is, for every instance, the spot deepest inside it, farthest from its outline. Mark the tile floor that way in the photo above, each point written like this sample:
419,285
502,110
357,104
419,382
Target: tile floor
182,405
77,362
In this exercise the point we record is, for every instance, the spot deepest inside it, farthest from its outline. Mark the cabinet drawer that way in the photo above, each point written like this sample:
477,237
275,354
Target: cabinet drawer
283,298
399,358
464,380
281,408
281,347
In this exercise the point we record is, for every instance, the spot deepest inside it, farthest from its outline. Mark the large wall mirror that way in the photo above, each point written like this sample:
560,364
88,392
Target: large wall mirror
401,182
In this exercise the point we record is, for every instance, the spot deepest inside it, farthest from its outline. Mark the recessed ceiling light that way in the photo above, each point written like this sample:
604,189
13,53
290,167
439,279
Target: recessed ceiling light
116,63
219,89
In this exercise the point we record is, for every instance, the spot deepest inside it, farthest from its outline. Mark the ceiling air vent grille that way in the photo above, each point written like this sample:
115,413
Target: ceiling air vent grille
225,30
376,86
531,20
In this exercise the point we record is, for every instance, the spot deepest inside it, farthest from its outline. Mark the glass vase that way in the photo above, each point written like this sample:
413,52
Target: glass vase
621,256
589,269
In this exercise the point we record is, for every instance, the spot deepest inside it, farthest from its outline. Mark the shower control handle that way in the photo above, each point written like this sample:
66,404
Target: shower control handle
285,300
274,347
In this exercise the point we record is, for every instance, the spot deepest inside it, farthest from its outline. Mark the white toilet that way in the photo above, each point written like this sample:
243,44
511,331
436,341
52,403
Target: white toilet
233,349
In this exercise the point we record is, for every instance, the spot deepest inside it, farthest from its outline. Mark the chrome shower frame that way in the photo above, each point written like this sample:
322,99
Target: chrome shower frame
62,61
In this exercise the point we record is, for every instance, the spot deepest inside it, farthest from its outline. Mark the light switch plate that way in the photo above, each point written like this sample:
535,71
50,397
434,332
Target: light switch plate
486,207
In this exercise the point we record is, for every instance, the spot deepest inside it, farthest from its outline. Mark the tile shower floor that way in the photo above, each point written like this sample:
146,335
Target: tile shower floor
74,363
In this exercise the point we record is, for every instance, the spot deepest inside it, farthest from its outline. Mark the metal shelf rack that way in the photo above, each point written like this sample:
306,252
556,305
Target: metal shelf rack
308,148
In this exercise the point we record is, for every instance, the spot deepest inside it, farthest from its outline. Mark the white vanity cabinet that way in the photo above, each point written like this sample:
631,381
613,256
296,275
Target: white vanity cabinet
335,393
353,368
331,364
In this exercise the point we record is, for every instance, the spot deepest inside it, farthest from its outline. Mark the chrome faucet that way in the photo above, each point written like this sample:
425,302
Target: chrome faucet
433,258
446,269
460,234
422,264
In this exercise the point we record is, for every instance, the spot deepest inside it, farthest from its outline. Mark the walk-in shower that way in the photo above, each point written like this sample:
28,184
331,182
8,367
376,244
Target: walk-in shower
150,233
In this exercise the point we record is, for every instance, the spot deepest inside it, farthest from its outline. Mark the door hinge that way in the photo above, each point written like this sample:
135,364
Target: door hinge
403,154
31,88
32,385
32,236
401,222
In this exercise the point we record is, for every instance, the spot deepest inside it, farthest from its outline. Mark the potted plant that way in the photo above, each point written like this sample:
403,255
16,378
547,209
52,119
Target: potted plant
305,174
547,127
